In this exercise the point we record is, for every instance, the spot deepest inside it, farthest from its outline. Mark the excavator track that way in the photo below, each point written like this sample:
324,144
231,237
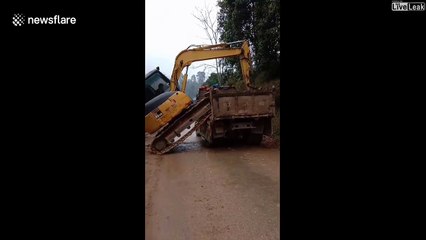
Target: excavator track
165,140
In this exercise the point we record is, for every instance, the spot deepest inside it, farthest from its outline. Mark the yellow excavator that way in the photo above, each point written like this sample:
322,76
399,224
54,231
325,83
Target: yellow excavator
171,114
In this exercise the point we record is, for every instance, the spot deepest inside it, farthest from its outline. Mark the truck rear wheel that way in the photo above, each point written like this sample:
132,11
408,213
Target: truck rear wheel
254,138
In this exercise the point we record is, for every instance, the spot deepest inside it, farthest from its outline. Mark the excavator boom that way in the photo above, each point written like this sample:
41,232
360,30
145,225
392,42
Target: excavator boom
201,53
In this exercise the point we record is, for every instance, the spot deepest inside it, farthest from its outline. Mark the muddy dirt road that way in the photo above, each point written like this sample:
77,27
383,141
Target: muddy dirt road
228,192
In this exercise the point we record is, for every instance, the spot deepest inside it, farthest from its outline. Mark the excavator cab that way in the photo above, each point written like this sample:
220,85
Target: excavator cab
159,99
156,83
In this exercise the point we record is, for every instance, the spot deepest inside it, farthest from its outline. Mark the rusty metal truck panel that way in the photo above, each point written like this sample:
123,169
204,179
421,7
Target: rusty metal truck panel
231,104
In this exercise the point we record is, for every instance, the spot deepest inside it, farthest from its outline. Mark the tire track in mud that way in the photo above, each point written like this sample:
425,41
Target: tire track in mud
152,173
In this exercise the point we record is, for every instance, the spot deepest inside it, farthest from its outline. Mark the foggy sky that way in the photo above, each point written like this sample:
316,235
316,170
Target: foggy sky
170,28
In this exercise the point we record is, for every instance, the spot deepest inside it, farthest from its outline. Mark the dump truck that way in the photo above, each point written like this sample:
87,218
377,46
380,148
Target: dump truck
240,115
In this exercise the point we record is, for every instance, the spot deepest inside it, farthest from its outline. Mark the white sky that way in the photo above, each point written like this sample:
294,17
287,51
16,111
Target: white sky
170,28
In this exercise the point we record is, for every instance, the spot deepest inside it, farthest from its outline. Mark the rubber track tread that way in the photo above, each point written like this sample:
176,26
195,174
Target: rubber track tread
163,132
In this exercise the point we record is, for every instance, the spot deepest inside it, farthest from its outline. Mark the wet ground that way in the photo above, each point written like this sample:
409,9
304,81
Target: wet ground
226,192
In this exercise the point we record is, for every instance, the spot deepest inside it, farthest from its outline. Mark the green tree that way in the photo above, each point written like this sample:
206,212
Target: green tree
257,21
213,79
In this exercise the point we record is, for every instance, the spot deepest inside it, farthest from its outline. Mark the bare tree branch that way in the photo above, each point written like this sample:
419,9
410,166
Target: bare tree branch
210,28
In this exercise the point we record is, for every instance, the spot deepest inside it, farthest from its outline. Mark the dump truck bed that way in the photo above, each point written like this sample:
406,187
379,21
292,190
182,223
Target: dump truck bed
230,104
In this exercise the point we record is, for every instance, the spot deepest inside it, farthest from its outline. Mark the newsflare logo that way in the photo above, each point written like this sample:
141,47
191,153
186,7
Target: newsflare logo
19,20
399,6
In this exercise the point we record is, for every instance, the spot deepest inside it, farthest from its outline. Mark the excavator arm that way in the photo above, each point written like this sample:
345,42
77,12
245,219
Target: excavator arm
200,53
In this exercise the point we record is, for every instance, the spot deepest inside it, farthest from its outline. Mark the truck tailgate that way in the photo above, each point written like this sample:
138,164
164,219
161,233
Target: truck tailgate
242,104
